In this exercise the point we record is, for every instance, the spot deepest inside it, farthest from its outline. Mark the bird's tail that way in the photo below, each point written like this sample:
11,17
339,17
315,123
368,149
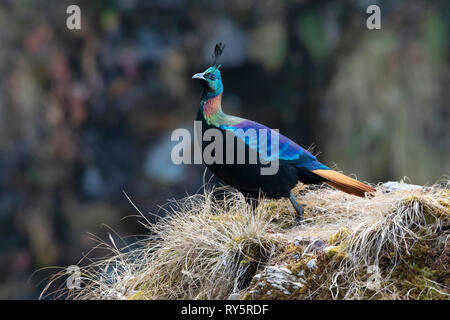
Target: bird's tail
344,183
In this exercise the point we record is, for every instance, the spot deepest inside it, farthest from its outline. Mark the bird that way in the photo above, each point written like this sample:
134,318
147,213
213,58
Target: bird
294,162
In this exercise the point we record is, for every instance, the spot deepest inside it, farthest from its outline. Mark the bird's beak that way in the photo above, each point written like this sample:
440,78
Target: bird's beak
199,76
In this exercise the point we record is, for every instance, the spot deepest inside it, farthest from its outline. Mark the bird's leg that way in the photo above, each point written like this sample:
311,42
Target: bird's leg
297,206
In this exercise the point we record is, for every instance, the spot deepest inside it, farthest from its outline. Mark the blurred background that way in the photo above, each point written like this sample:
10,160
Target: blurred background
86,114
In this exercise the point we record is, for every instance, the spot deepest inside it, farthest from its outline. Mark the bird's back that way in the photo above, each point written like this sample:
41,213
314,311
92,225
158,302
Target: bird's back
247,177
293,162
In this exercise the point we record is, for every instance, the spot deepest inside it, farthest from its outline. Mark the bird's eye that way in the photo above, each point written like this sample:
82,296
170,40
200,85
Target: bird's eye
212,76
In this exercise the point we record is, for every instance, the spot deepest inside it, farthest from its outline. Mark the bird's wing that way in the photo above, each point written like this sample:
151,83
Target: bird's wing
294,154
250,132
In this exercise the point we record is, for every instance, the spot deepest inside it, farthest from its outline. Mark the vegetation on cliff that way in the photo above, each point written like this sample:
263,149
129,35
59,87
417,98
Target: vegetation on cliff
394,246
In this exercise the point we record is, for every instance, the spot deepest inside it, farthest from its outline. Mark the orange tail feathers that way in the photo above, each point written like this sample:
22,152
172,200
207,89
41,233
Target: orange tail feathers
344,183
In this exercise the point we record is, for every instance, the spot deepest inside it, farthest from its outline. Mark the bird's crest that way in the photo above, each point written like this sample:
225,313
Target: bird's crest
218,49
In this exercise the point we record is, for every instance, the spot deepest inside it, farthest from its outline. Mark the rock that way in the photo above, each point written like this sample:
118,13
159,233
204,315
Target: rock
275,278
312,244
282,279
312,264
394,185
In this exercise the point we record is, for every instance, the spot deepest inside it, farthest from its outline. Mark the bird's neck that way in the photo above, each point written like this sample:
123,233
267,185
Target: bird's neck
212,108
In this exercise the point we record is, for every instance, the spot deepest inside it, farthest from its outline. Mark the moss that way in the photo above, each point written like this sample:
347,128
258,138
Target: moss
137,296
337,253
418,276
252,253
316,281
416,282
283,216
297,266
238,239
340,236
292,249
439,208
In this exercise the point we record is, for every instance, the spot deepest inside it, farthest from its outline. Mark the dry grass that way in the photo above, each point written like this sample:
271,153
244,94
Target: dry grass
207,248
390,240
203,249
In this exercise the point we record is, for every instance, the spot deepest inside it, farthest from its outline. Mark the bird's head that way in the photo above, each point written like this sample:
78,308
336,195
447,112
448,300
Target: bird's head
211,80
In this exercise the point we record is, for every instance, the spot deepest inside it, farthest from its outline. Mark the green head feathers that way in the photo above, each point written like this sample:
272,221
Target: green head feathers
211,79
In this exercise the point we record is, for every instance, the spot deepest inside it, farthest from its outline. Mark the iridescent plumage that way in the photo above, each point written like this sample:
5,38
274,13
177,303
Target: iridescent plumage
296,163
288,149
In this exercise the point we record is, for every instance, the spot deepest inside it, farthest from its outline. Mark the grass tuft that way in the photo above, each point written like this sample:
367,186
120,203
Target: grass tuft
394,246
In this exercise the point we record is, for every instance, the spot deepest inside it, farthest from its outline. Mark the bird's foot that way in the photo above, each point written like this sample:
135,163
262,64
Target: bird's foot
297,206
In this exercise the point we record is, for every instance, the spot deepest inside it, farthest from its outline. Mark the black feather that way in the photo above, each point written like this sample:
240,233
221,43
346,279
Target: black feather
218,49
